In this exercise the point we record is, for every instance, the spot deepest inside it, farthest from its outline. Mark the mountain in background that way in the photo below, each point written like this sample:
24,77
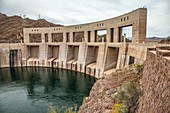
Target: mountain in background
11,28
154,39
161,40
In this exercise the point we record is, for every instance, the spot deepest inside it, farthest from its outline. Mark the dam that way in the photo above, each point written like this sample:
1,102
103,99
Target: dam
82,47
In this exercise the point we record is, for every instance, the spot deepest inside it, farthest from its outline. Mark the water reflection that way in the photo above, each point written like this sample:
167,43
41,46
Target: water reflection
42,86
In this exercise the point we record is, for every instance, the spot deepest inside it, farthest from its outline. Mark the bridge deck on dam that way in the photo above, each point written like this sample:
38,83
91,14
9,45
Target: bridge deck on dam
83,47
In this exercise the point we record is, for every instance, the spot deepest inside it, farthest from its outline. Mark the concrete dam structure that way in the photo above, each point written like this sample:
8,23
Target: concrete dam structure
81,47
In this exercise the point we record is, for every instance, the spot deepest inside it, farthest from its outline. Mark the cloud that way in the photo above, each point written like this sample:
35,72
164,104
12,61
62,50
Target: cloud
158,18
70,12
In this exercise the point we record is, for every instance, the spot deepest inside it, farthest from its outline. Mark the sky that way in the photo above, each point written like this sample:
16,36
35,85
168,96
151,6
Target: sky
71,12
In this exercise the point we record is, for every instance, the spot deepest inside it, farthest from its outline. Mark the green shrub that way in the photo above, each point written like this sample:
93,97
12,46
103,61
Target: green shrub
126,96
132,92
139,68
121,96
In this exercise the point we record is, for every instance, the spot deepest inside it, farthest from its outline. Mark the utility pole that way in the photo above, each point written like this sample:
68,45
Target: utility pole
39,16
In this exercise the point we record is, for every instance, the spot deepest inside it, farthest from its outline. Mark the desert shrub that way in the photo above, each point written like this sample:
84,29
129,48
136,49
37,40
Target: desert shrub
120,108
127,93
126,96
132,92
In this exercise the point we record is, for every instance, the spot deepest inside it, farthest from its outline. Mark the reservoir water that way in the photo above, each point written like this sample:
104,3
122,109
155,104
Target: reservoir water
34,90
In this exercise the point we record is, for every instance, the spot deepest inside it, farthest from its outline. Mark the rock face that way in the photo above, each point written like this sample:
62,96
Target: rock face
155,84
11,28
100,99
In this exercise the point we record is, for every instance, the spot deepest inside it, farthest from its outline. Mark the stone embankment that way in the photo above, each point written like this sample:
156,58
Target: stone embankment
155,83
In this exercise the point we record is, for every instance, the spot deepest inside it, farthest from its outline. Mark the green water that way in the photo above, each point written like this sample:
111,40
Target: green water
32,90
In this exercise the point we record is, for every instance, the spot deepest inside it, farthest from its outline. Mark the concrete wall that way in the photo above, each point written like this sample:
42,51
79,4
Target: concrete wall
34,51
53,52
72,52
5,53
111,58
43,51
81,57
62,55
91,54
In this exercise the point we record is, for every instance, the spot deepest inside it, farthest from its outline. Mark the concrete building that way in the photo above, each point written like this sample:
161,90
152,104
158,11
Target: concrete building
81,48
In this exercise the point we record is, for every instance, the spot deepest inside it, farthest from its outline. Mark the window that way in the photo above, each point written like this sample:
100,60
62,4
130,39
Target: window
131,60
89,36
46,37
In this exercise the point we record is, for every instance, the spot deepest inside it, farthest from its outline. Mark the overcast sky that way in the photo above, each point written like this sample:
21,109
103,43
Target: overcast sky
70,12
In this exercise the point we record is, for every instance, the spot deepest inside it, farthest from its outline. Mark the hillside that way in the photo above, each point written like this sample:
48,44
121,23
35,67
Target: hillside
11,28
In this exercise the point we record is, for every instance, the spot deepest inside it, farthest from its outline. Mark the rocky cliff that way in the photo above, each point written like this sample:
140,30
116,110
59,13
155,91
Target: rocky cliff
11,28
